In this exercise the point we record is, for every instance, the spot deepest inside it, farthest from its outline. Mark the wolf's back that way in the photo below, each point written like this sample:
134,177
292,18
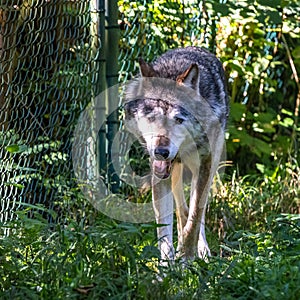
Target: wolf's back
212,86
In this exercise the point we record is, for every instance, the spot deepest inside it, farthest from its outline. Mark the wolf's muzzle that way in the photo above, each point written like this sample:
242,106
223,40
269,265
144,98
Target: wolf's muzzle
161,153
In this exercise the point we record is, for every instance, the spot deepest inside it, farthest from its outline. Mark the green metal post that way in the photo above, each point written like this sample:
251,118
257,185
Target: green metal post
101,89
112,70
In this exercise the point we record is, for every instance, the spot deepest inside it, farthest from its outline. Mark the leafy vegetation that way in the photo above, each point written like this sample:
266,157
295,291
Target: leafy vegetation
256,252
254,242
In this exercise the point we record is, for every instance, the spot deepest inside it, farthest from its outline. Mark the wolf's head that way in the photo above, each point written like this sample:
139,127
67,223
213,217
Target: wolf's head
164,129
156,113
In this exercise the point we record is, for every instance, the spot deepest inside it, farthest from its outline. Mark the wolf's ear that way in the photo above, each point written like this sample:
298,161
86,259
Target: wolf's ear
146,69
190,77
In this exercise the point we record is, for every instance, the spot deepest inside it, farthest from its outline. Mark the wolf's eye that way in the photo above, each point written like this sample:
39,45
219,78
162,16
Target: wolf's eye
179,120
151,119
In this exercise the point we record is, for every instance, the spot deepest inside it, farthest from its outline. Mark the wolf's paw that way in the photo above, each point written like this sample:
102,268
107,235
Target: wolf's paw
167,252
203,250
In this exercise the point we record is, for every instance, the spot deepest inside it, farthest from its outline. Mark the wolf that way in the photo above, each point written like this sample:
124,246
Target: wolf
178,109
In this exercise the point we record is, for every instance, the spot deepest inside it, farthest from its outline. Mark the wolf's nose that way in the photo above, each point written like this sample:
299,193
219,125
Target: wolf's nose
161,153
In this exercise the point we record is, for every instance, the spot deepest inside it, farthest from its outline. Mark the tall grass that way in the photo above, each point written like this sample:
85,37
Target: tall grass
253,228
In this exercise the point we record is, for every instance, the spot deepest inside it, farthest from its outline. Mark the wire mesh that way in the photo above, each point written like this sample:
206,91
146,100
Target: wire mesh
145,34
49,72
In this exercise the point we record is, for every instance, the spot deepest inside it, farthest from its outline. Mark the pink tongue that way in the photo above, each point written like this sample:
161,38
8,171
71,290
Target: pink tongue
161,168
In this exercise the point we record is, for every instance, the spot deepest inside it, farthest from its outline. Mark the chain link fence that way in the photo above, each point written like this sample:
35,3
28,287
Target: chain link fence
50,64
144,34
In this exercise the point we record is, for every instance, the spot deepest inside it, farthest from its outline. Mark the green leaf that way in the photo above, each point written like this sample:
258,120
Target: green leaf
287,112
265,117
237,66
260,168
259,32
287,122
259,147
237,110
16,148
296,52
17,185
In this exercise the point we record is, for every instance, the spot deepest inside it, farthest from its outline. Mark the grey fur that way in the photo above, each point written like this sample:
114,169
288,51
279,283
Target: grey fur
179,109
212,84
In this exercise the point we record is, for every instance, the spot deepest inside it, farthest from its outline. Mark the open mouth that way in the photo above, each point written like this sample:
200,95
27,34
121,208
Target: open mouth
162,168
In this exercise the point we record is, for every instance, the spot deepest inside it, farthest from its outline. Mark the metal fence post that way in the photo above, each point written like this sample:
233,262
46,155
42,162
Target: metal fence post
112,74
102,85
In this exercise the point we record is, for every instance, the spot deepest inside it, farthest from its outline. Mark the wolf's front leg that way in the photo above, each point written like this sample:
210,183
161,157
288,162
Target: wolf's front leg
182,210
194,233
203,249
163,207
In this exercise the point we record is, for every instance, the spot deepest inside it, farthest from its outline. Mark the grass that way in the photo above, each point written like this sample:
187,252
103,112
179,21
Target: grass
253,229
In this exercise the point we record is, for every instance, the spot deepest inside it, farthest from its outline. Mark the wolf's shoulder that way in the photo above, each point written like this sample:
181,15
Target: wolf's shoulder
191,53
191,50
176,61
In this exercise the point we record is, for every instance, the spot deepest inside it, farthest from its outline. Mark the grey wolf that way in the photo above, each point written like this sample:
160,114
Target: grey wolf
178,109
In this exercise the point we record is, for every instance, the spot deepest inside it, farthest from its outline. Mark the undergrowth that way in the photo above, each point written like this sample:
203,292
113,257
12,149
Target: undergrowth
253,228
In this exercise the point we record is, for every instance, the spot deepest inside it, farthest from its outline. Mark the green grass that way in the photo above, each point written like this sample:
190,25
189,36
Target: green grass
253,229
